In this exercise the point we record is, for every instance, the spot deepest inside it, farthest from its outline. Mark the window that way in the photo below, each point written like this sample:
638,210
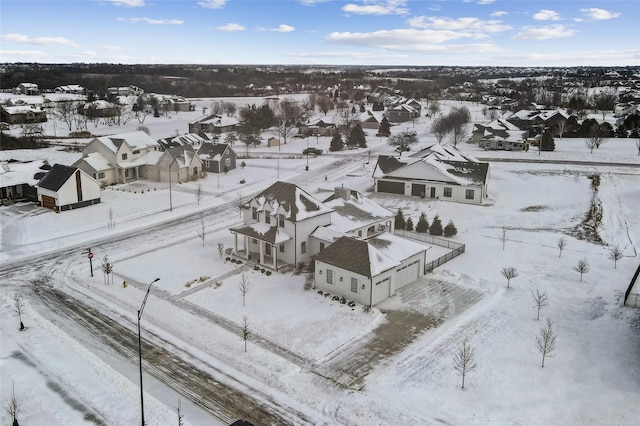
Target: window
303,247
329,276
281,248
101,175
447,192
126,173
321,246
360,233
354,285
124,156
254,213
281,221
267,217
207,163
137,151
469,194
254,241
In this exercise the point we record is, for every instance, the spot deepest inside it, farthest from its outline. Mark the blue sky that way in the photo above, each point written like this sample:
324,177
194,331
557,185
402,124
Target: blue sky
356,32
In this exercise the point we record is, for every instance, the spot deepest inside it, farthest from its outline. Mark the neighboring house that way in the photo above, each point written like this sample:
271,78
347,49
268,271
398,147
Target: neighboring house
369,271
22,114
123,153
18,179
66,188
188,139
100,108
355,214
318,127
125,91
70,88
370,119
26,89
277,224
178,164
431,177
402,113
499,134
217,157
175,103
213,124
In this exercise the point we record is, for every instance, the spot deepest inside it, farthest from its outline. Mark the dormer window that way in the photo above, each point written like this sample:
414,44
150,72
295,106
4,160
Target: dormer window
267,218
254,213
281,221
124,157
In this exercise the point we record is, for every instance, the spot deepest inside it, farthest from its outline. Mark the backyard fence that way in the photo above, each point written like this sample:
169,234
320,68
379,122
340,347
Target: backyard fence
457,248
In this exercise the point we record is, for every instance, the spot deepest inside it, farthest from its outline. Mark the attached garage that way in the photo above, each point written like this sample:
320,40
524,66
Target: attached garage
66,188
407,273
390,187
48,202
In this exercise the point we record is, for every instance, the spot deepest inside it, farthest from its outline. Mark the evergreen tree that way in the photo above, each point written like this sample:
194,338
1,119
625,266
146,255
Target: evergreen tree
385,127
356,138
399,222
436,226
409,224
547,144
423,225
336,143
450,230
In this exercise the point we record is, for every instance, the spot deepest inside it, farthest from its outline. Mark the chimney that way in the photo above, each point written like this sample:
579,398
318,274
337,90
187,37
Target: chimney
343,193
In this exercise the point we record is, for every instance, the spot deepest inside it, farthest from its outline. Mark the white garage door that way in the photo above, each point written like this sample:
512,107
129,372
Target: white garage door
407,273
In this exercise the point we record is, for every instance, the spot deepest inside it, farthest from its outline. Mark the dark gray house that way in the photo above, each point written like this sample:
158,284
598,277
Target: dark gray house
217,157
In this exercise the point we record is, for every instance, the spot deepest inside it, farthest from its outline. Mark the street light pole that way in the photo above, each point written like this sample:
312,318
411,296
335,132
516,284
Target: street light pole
144,302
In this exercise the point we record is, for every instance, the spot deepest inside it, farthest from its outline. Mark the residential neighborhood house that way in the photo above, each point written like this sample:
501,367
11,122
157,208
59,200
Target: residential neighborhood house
217,157
66,188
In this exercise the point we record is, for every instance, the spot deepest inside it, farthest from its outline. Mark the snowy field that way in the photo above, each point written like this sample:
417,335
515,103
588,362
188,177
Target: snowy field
61,375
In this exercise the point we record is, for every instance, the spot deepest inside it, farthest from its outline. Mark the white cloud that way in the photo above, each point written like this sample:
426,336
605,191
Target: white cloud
110,48
312,2
468,24
231,26
49,41
18,55
499,13
212,4
544,33
547,15
413,40
88,54
283,28
377,7
152,21
128,3
347,54
599,14
486,1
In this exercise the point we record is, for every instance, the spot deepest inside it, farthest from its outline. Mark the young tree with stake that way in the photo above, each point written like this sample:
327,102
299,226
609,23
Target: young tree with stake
18,307
464,360
107,269
562,243
503,237
541,300
202,233
245,332
13,406
546,341
509,273
582,267
244,287
615,254
220,250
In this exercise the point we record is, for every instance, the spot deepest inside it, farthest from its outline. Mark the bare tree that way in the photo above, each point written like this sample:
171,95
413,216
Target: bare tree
230,108
288,112
464,360
220,250
238,203
66,111
202,232
244,287
596,138
18,307
562,243
541,300
582,267
179,411
107,269
325,104
509,273
546,341
199,193
245,332
403,140
615,254
13,406
434,108
439,129
503,237
457,121
605,101
112,222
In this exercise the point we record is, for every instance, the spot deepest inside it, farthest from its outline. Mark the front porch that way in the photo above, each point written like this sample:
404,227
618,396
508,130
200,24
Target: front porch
253,258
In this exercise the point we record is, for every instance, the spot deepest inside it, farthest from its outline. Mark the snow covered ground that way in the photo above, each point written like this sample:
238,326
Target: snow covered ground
63,376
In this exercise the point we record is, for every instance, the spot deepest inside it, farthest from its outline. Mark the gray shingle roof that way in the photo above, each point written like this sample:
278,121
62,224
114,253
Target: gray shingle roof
56,177
347,253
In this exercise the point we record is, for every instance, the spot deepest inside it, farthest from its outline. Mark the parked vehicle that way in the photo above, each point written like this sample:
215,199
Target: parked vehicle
312,151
